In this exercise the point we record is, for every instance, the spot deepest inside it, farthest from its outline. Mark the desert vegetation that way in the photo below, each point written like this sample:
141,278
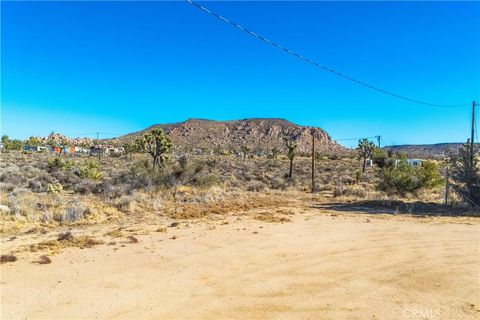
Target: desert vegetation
48,189
58,202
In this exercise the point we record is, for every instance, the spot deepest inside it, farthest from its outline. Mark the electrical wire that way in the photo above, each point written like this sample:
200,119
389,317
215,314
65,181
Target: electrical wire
325,68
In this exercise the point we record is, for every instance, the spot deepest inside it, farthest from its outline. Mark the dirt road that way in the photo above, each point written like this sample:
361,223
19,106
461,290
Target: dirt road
315,267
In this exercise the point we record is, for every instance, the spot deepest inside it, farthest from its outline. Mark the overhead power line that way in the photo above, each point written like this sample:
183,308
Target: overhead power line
325,68
350,139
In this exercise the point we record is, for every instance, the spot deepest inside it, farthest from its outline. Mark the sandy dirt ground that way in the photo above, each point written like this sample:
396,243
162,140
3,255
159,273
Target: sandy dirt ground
318,266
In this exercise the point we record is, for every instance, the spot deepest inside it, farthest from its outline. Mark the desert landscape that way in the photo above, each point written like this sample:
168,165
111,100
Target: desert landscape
223,234
300,160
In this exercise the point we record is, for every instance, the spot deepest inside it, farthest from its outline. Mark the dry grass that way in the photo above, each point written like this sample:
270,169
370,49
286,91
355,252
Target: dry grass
66,240
196,187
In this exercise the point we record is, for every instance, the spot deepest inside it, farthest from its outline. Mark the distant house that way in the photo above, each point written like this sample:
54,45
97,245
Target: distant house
113,150
96,150
69,150
410,162
82,150
368,163
35,148
414,162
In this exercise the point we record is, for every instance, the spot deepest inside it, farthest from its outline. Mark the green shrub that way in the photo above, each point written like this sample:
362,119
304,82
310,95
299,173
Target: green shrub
403,179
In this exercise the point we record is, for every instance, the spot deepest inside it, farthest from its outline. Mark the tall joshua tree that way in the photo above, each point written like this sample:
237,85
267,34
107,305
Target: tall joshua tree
245,150
365,151
466,178
157,144
291,154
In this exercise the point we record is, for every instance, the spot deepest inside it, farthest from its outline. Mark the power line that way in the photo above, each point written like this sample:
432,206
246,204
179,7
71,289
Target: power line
350,139
325,68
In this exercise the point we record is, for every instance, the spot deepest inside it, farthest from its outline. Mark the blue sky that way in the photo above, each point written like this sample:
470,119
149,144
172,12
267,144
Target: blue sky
117,67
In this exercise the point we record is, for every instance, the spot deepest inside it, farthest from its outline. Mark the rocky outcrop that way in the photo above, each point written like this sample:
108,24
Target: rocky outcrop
257,134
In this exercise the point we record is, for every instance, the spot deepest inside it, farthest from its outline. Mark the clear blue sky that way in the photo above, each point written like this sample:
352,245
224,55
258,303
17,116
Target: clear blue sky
117,67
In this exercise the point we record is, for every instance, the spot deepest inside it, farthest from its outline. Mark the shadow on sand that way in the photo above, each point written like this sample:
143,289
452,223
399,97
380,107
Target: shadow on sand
418,208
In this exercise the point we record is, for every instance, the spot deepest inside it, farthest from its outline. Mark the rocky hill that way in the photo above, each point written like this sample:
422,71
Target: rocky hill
426,150
257,134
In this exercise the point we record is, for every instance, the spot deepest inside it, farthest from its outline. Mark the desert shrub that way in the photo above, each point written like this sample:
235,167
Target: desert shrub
74,213
66,178
14,176
354,192
278,183
110,190
338,191
40,183
55,188
206,180
35,186
126,203
348,180
182,161
380,158
90,169
55,164
255,186
85,186
403,179
6,187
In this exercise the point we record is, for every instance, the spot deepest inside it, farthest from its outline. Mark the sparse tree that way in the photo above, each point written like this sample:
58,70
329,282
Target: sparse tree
465,177
132,147
403,178
380,157
14,144
55,140
5,139
245,151
9,144
157,144
365,151
33,142
291,154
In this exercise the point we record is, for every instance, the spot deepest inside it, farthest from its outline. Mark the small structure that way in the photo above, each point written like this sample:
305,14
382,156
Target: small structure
69,150
410,162
414,162
96,150
35,148
82,150
368,163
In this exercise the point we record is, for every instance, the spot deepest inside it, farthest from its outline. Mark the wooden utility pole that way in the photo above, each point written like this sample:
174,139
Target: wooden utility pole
98,145
447,174
313,159
378,140
472,156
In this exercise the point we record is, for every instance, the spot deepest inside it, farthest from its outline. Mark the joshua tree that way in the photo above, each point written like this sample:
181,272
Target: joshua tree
56,140
291,153
245,150
157,144
275,152
365,151
132,147
33,142
466,178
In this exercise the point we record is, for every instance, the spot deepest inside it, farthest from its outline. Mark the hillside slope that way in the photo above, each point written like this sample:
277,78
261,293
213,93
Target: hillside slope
257,134
427,150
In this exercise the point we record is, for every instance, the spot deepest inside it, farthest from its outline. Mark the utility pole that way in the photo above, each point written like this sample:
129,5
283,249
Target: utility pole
447,175
98,144
378,140
472,156
313,160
